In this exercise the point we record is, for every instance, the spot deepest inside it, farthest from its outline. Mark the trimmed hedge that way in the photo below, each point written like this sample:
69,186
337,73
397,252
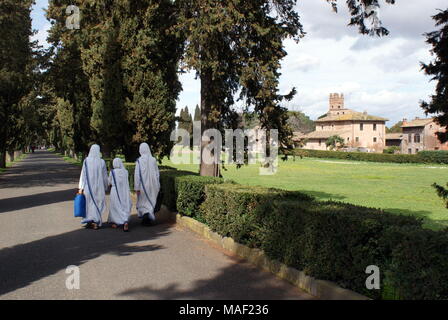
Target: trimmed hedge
229,209
434,156
334,241
440,157
191,192
168,186
183,191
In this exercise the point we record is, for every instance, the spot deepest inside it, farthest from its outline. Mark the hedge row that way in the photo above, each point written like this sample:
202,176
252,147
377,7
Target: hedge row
328,240
334,241
440,157
184,191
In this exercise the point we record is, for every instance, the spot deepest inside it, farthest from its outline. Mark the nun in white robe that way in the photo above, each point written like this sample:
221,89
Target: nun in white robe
95,187
120,198
146,183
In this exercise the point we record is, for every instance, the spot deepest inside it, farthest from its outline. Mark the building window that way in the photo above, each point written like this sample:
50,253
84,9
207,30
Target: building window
416,150
417,138
357,139
322,127
410,137
361,126
320,142
410,151
374,127
374,139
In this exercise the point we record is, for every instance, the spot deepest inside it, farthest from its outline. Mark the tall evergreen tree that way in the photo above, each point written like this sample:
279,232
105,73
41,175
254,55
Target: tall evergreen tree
197,113
186,121
66,85
438,70
150,81
16,72
101,56
122,66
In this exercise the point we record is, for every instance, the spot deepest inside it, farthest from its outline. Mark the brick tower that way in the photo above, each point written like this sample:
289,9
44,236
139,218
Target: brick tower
336,101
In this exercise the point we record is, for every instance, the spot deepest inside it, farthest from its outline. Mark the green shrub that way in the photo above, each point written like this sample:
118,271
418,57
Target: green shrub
392,150
190,192
418,262
168,186
332,240
229,209
421,157
434,156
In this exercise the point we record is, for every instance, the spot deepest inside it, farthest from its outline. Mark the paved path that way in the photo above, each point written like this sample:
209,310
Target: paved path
39,238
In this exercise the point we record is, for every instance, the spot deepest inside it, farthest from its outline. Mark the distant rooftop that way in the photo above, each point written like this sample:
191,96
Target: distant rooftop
394,136
416,123
350,116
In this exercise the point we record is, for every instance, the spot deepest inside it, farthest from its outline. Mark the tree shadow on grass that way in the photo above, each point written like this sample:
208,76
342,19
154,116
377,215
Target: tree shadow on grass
422,214
324,196
23,264
239,281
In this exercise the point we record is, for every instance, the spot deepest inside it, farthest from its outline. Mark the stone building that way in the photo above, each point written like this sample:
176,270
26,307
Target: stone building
358,129
420,134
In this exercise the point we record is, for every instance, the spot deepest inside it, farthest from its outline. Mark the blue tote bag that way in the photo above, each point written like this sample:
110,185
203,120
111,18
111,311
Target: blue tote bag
80,206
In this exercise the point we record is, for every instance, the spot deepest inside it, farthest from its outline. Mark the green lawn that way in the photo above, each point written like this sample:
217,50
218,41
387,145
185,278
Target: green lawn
397,188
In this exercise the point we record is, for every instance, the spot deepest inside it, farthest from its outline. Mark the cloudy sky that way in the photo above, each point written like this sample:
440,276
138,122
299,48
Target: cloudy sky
378,75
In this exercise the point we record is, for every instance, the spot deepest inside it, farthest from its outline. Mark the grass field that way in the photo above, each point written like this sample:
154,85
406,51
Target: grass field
397,188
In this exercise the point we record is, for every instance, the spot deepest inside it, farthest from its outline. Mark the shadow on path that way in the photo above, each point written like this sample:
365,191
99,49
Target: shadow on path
23,264
234,282
42,168
35,200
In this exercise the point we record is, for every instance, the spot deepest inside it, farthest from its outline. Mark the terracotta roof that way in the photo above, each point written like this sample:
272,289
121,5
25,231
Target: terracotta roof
323,134
351,116
394,136
417,123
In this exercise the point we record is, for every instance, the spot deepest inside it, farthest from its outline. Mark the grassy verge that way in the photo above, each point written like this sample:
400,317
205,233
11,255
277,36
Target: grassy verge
396,188
9,164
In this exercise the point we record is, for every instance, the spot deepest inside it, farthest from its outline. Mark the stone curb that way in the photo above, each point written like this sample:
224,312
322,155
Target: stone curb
321,289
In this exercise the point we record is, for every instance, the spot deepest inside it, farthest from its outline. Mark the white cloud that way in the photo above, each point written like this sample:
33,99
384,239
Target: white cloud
302,62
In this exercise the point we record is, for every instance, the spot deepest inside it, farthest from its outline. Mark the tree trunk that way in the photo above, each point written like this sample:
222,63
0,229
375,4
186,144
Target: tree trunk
2,159
11,156
207,169
131,152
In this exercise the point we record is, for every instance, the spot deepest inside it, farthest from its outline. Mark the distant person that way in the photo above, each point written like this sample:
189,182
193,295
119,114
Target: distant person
120,196
146,185
93,183
33,148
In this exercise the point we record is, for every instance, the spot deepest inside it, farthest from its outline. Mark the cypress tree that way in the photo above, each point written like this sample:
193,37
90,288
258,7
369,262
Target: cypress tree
197,113
17,56
150,63
66,85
